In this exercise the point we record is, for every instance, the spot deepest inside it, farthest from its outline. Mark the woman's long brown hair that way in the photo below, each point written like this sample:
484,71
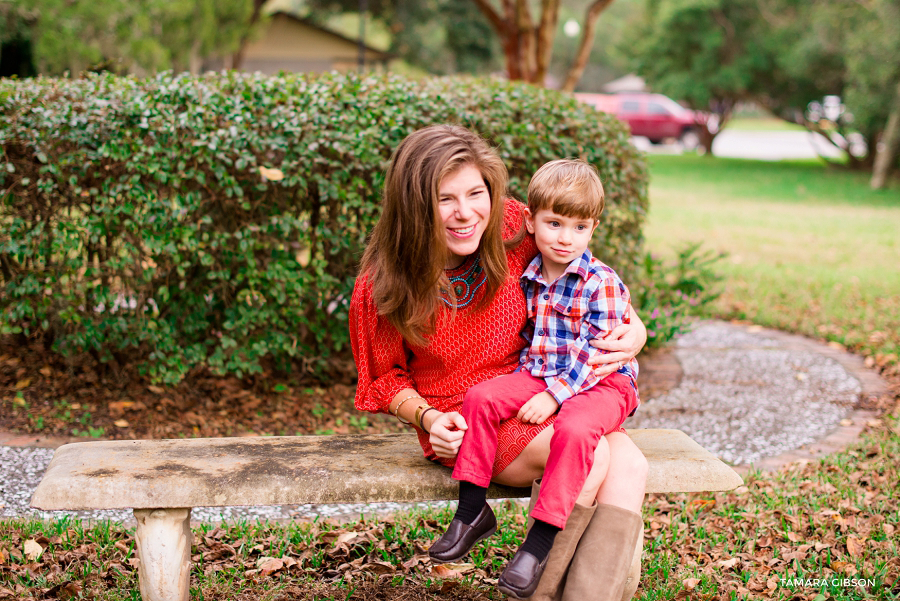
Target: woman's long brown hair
407,252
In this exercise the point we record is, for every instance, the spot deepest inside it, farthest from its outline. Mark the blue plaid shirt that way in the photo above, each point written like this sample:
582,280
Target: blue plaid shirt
586,302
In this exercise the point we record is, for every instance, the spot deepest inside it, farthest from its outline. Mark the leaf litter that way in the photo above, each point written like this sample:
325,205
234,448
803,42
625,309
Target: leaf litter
833,520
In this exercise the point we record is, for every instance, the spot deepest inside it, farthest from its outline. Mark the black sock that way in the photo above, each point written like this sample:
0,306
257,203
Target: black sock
472,499
540,539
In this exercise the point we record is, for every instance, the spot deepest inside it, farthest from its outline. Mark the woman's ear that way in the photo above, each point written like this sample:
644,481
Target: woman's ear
529,221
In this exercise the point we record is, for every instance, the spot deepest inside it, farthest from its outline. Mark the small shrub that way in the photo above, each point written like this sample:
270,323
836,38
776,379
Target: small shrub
667,294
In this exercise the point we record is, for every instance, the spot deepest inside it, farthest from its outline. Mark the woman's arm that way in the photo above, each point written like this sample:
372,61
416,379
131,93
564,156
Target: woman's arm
621,344
446,429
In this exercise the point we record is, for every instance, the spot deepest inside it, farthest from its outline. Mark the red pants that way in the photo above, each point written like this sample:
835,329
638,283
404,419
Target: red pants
582,421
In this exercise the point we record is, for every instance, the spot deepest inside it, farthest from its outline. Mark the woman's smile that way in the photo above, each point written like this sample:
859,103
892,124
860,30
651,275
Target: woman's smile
465,208
463,232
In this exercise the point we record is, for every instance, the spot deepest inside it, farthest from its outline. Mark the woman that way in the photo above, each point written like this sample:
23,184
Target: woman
437,308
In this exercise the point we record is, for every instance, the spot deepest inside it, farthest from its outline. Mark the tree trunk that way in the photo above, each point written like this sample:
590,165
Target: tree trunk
884,159
584,47
194,59
237,59
544,38
706,139
527,46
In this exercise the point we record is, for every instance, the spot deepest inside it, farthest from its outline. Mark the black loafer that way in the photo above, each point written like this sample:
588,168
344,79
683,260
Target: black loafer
460,538
522,575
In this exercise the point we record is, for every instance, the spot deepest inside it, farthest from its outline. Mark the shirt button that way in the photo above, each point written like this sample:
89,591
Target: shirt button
546,296
540,361
568,309
540,332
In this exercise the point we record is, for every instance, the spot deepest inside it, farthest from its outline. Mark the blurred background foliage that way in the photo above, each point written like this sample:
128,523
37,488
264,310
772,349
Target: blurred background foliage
713,55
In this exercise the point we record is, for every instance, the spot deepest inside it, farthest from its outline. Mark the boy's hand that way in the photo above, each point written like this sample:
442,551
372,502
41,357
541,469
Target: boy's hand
538,408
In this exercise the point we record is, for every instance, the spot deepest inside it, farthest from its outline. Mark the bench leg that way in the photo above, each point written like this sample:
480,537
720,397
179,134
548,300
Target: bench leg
164,547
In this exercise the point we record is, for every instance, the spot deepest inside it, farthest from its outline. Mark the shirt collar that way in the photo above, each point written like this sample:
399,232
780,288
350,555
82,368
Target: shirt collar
580,266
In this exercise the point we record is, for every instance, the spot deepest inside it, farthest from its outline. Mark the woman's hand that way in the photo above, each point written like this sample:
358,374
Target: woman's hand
622,344
446,434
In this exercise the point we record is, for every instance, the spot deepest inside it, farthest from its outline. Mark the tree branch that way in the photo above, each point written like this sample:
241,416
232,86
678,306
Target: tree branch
584,48
492,15
237,58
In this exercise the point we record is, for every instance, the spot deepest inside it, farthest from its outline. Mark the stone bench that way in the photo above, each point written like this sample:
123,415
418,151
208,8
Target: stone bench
161,480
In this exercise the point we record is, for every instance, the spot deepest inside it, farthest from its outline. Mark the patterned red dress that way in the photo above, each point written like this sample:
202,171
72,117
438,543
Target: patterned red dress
464,350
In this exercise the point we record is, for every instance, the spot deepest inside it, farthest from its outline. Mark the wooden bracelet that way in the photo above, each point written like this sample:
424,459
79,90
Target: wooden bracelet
419,411
422,419
397,408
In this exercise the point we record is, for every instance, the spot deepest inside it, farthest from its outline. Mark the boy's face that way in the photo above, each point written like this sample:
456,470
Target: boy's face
560,239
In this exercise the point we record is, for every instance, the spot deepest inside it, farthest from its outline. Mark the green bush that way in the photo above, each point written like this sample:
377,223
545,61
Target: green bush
668,295
139,224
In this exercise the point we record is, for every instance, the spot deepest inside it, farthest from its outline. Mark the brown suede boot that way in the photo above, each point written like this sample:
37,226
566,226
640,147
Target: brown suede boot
602,559
550,587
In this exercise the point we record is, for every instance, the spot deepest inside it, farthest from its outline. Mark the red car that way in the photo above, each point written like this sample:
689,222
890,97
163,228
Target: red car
653,116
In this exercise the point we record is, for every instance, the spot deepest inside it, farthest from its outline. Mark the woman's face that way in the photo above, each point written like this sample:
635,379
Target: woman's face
465,207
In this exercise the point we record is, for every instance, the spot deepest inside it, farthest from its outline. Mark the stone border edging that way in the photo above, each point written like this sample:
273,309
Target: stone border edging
872,384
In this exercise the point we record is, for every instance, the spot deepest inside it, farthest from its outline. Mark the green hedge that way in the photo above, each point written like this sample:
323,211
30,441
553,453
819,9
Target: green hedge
137,224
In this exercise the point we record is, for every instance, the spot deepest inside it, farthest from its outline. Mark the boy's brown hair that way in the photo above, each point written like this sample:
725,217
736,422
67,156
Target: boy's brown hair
568,187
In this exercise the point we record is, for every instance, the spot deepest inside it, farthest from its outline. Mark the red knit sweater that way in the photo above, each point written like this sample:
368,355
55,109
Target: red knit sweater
474,346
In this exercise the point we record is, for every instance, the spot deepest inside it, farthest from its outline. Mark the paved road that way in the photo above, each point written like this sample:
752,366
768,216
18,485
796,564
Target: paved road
762,145
746,394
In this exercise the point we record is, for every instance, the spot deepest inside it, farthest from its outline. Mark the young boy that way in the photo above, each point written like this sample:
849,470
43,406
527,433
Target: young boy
572,298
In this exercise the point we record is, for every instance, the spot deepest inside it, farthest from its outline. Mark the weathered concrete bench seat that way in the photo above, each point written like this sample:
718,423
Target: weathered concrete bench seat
163,479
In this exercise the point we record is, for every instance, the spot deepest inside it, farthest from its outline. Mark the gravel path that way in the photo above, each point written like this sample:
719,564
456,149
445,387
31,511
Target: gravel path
744,396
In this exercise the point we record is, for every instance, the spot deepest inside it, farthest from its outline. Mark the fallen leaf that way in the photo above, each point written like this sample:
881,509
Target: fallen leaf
23,383
269,565
46,371
64,591
728,563
33,550
2,557
120,406
275,175
5,593
379,567
442,571
121,423
855,547
703,504
414,561
690,583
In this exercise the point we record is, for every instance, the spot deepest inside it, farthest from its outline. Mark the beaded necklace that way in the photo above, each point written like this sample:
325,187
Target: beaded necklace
465,285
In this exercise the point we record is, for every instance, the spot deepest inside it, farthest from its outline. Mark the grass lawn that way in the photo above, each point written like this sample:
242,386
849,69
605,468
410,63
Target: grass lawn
810,249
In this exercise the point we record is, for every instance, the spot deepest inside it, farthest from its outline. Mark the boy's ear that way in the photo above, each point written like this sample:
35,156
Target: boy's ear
596,223
529,221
